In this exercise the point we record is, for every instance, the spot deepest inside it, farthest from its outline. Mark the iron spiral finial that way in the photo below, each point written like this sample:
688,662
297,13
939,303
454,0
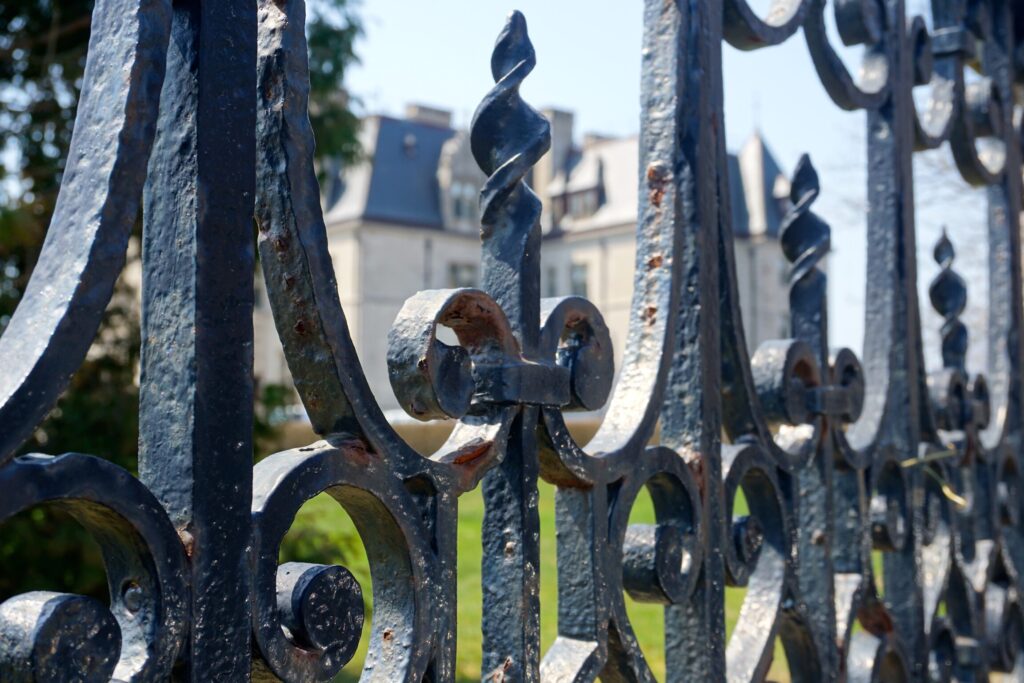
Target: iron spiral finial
948,294
805,237
507,135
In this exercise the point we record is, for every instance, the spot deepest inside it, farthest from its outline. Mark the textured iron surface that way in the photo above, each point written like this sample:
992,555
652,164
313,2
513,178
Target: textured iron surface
882,539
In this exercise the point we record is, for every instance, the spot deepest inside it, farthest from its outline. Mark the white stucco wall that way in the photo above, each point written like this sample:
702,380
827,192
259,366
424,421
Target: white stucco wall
761,273
610,257
378,266
395,262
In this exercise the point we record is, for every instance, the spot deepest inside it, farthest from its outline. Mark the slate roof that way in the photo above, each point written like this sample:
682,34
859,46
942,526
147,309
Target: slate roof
397,183
764,185
737,202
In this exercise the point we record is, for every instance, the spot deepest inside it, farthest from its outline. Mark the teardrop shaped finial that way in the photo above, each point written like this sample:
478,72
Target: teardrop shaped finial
944,253
804,187
507,135
513,47
948,294
805,237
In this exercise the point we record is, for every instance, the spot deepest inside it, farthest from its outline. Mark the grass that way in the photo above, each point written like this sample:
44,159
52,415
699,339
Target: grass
322,518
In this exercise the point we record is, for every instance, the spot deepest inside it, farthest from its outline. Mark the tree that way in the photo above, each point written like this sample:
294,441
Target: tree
333,29
42,54
43,45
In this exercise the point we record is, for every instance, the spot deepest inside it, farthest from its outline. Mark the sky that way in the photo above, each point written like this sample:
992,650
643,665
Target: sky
588,54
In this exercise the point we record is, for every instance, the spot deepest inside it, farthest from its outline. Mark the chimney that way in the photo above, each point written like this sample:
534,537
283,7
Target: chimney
594,139
555,161
432,116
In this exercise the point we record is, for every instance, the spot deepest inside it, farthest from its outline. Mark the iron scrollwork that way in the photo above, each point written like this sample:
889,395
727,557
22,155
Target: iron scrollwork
883,535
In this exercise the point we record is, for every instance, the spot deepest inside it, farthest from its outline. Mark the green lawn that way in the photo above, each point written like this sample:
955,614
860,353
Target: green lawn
321,520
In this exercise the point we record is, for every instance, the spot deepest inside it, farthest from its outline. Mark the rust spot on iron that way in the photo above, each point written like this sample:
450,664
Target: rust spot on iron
352,447
471,451
656,195
697,468
300,327
187,541
651,314
359,452
498,675
875,620
655,261
657,178
281,243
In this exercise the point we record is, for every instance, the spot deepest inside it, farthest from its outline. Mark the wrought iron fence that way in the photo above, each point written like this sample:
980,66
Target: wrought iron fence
835,460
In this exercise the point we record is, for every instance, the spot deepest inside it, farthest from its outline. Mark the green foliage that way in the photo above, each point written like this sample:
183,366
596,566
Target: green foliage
332,31
43,45
324,534
42,54
270,400
647,619
98,414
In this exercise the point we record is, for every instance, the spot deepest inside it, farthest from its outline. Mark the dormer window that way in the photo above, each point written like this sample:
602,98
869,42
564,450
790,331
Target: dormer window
409,143
459,180
558,208
582,204
463,201
578,279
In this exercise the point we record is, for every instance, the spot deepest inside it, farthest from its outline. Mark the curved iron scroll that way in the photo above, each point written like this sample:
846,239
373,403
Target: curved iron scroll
836,459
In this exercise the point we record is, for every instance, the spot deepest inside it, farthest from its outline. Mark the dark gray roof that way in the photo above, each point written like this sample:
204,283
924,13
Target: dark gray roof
774,211
398,181
765,190
737,202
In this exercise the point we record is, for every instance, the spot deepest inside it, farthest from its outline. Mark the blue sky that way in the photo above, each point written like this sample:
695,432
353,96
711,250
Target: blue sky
589,61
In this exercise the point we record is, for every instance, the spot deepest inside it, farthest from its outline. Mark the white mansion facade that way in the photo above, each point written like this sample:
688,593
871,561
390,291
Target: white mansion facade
405,219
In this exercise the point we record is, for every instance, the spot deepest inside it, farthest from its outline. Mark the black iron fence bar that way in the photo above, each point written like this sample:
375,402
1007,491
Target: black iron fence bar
883,539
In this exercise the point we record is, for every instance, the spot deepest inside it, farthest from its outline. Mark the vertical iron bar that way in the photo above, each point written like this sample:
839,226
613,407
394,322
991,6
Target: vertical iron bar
893,267
196,396
808,304
507,138
680,147
511,559
1006,344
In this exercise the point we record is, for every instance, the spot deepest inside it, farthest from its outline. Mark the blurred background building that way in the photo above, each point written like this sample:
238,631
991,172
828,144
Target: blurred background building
405,218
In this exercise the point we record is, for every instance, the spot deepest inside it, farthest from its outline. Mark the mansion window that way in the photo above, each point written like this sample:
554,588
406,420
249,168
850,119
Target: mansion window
558,208
582,204
463,275
463,201
551,282
578,279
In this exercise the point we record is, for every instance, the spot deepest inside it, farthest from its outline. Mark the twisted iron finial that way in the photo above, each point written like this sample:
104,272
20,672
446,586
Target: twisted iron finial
507,135
805,237
948,293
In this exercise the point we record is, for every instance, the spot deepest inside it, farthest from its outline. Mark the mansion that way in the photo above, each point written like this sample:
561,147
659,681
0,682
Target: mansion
405,219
